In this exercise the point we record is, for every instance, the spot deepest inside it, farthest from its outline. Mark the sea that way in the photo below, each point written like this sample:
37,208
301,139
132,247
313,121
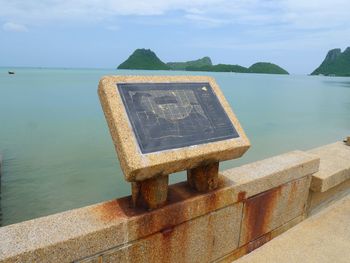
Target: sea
58,153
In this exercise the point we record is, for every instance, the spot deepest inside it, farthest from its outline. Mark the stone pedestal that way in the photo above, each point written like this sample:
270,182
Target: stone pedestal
151,193
204,178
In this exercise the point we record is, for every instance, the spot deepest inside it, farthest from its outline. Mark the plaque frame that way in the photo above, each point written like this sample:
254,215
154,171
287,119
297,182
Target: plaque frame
137,166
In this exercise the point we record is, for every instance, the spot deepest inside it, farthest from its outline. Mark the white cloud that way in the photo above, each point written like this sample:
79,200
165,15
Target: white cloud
113,27
14,27
299,14
289,14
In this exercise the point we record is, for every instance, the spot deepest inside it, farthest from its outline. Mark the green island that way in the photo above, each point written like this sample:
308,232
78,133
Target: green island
143,59
267,68
202,62
336,63
146,59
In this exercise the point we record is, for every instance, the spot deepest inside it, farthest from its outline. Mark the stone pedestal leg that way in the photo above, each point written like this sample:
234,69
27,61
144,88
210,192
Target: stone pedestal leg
348,141
151,193
204,178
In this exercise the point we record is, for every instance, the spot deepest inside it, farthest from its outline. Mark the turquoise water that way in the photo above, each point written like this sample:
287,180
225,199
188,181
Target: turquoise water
58,153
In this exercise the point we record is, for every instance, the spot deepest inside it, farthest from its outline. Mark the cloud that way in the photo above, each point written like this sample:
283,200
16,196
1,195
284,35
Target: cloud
295,13
113,27
14,27
202,20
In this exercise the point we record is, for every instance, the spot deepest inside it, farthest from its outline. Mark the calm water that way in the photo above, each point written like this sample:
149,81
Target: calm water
58,153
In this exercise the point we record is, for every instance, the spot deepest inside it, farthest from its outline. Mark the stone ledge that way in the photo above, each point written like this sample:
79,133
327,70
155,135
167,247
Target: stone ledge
255,244
271,209
334,166
87,231
318,201
252,179
324,237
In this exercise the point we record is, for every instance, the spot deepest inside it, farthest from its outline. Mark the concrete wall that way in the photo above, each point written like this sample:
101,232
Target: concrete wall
332,181
253,204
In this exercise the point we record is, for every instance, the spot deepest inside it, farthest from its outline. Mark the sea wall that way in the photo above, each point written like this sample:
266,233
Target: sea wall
253,204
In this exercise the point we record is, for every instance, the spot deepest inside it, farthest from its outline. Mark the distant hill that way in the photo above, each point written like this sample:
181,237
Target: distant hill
336,63
267,68
260,67
147,59
143,59
220,68
206,61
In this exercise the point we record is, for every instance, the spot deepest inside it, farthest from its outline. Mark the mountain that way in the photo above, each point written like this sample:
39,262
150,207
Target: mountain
266,68
336,63
147,59
206,61
260,67
220,68
143,59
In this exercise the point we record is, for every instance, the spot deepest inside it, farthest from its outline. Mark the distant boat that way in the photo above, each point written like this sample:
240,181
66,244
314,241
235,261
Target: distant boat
11,72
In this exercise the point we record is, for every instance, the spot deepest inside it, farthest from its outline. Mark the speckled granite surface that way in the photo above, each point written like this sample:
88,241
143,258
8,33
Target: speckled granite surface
137,166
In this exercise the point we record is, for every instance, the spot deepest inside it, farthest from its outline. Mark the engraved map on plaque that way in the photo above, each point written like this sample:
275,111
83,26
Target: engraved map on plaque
166,116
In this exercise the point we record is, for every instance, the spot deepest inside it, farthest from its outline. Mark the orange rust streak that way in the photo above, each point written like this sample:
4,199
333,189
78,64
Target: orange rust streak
258,210
293,191
163,220
258,242
241,196
110,210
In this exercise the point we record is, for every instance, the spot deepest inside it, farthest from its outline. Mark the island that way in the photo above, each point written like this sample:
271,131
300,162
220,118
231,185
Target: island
220,68
267,68
336,63
146,59
202,62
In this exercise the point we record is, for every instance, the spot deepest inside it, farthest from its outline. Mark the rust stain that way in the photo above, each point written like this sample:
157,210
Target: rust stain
258,213
294,187
293,192
173,242
111,210
167,231
258,242
241,196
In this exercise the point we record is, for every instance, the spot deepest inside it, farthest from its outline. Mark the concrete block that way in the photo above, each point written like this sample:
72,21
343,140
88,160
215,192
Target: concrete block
320,200
334,166
251,246
203,239
324,237
90,230
254,178
269,210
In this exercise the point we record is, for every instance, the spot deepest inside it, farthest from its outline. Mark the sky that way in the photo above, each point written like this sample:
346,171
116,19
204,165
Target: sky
295,34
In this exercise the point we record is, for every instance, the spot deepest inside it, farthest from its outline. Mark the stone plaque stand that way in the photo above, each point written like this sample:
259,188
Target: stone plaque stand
204,178
151,193
161,125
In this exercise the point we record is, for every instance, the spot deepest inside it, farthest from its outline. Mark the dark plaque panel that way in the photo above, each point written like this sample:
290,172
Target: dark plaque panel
173,115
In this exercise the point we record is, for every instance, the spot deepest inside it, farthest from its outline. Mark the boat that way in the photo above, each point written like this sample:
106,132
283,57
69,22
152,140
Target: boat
11,72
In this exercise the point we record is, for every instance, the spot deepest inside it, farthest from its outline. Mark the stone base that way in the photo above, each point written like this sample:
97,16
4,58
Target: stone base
204,178
151,193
